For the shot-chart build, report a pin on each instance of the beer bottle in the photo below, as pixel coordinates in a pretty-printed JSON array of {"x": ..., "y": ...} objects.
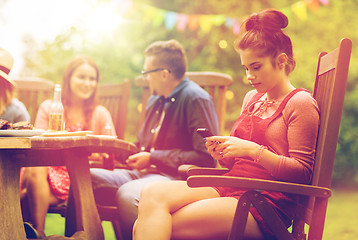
[{"x": 56, "y": 118}]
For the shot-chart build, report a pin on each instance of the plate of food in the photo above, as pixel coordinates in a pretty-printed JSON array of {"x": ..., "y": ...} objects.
[{"x": 19, "y": 129}]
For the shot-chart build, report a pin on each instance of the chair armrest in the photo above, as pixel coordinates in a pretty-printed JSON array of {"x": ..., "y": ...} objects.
[
  {"x": 206, "y": 171},
  {"x": 258, "y": 184},
  {"x": 186, "y": 170},
  {"x": 183, "y": 170}
]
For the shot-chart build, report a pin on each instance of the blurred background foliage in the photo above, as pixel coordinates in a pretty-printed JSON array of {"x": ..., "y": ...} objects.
[{"x": 315, "y": 26}]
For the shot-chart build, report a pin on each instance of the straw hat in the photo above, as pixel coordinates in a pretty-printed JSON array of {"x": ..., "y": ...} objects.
[{"x": 6, "y": 63}]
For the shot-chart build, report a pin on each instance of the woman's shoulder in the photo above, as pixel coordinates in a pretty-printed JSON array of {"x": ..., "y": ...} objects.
[
  {"x": 302, "y": 101},
  {"x": 248, "y": 96},
  {"x": 302, "y": 97},
  {"x": 100, "y": 109}
]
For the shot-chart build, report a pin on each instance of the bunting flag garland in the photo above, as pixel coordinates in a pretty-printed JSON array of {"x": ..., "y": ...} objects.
[{"x": 204, "y": 22}]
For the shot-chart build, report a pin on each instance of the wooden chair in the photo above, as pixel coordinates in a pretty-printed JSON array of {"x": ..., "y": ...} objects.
[
  {"x": 329, "y": 91},
  {"x": 115, "y": 97},
  {"x": 32, "y": 91},
  {"x": 215, "y": 83}
]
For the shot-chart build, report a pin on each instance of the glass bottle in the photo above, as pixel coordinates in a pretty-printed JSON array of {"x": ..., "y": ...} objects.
[
  {"x": 56, "y": 118},
  {"x": 107, "y": 129}
]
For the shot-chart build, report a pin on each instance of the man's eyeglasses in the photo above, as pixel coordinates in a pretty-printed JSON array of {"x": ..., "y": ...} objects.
[{"x": 154, "y": 70}]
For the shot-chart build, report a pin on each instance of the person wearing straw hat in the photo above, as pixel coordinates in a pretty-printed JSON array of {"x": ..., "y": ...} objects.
[{"x": 11, "y": 109}]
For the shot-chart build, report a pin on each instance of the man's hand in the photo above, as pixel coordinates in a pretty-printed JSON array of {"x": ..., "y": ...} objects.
[{"x": 139, "y": 161}]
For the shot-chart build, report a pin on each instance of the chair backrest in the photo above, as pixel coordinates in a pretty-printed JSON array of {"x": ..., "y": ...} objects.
[
  {"x": 32, "y": 91},
  {"x": 115, "y": 97},
  {"x": 215, "y": 83},
  {"x": 329, "y": 91}
]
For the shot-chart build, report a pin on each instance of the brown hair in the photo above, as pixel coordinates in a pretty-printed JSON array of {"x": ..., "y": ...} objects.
[
  {"x": 263, "y": 31},
  {"x": 66, "y": 93},
  {"x": 170, "y": 55}
]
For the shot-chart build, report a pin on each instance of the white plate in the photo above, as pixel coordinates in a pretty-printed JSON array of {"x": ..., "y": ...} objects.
[
  {"x": 66, "y": 134},
  {"x": 21, "y": 133}
]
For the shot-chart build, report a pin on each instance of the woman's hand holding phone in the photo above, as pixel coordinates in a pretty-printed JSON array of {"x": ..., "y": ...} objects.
[{"x": 204, "y": 132}]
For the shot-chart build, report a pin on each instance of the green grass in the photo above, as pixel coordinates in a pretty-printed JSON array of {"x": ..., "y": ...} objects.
[
  {"x": 341, "y": 219},
  {"x": 55, "y": 224}
]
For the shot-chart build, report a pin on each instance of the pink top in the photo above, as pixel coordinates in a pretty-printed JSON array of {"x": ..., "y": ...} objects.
[
  {"x": 292, "y": 135},
  {"x": 101, "y": 116},
  {"x": 58, "y": 177}
]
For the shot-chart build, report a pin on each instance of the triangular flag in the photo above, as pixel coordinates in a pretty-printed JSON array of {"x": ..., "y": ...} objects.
[
  {"x": 313, "y": 5},
  {"x": 229, "y": 22},
  {"x": 300, "y": 9},
  {"x": 236, "y": 26},
  {"x": 182, "y": 22},
  {"x": 193, "y": 22},
  {"x": 158, "y": 18},
  {"x": 205, "y": 23},
  {"x": 218, "y": 20},
  {"x": 170, "y": 20},
  {"x": 324, "y": 2}
]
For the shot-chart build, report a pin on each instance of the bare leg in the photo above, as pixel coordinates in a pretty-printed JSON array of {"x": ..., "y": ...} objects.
[
  {"x": 172, "y": 210},
  {"x": 158, "y": 201},
  {"x": 39, "y": 195},
  {"x": 210, "y": 219}
]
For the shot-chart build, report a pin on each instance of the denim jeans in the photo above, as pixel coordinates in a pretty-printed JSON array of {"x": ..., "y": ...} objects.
[{"x": 122, "y": 187}]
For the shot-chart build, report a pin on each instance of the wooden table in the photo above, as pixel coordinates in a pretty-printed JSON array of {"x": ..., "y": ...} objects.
[{"x": 73, "y": 152}]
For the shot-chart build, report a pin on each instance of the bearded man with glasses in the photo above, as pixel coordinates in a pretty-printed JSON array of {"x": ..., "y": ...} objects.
[{"x": 168, "y": 136}]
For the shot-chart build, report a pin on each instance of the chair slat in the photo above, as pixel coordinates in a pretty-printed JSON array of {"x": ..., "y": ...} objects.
[
  {"x": 32, "y": 91},
  {"x": 115, "y": 97}
]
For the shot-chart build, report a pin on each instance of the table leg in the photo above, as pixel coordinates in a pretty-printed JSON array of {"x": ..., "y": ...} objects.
[
  {"x": 87, "y": 217},
  {"x": 11, "y": 225}
]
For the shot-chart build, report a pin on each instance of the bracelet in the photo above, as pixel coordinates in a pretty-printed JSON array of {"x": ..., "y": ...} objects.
[{"x": 259, "y": 153}]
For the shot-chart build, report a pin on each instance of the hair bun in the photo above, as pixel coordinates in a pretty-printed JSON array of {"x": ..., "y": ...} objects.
[{"x": 268, "y": 20}]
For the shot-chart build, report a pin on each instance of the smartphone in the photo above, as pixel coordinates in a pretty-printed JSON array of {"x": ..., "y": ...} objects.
[{"x": 204, "y": 132}]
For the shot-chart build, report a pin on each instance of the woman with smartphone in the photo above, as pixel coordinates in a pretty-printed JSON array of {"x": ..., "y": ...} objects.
[{"x": 274, "y": 138}]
